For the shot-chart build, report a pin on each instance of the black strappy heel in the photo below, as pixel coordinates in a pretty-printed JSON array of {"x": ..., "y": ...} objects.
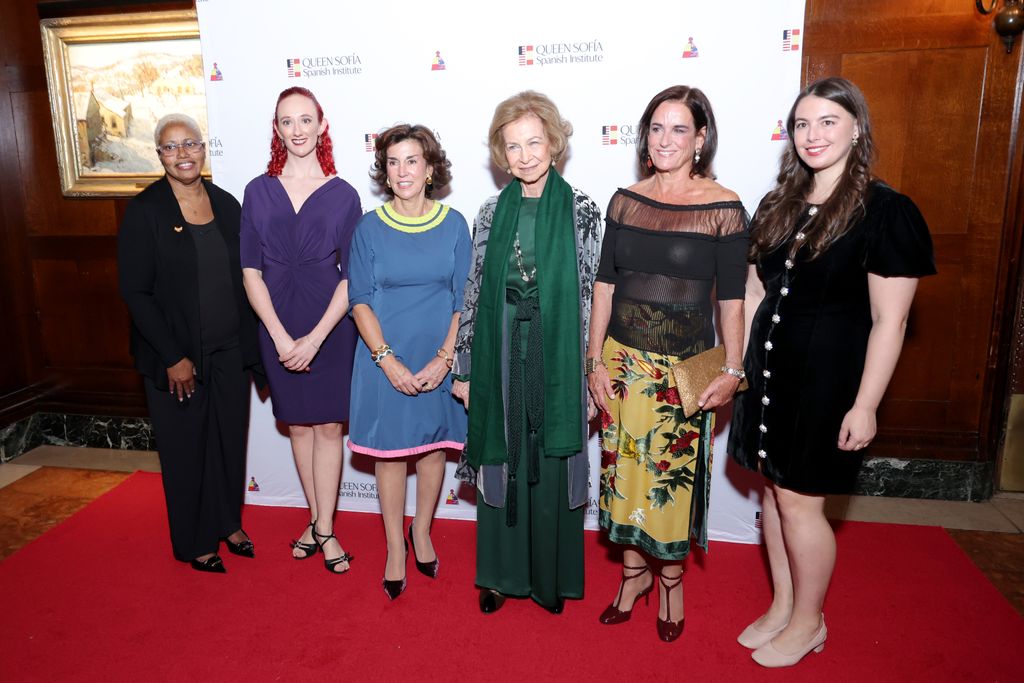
[
  {"x": 308, "y": 549},
  {"x": 330, "y": 564}
]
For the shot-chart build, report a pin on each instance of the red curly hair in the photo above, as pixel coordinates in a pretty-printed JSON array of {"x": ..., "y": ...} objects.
[{"x": 324, "y": 146}]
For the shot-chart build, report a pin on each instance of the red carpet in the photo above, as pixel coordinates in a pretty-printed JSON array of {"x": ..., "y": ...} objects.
[{"x": 99, "y": 598}]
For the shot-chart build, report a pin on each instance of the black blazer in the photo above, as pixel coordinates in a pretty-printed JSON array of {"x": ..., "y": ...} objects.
[{"x": 158, "y": 278}]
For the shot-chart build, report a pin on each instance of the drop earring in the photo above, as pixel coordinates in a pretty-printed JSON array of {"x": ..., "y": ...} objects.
[
  {"x": 696, "y": 156},
  {"x": 856, "y": 139}
]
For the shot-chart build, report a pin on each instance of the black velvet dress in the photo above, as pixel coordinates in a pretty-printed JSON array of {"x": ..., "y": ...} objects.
[{"x": 808, "y": 342}]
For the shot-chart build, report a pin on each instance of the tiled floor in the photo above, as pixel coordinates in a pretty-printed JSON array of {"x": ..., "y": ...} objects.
[{"x": 47, "y": 485}]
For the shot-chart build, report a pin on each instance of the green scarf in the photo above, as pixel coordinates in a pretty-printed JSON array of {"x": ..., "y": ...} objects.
[{"x": 559, "y": 292}]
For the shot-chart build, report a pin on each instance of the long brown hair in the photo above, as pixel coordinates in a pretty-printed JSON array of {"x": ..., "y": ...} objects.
[{"x": 780, "y": 212}]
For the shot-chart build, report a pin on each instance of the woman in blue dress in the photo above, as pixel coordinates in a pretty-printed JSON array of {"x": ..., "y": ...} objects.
[{"x": 409, "y": 263}]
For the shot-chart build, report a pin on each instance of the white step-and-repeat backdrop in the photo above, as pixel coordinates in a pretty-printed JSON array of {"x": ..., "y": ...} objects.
[{"x": 447, "y": 65}]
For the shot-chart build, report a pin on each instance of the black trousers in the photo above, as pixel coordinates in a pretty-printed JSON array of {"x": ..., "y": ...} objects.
[{"x": 201, "y": 444}]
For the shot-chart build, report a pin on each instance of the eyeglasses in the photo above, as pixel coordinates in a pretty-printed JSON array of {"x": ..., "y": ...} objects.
[{"x": 190, "y": 146}]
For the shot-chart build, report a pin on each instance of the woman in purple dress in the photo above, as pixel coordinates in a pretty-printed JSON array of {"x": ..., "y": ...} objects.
[{"x": 297, "y": 223}]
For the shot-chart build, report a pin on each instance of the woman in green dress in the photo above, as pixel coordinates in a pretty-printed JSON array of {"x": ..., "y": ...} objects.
[{"x": 524, "y": 324}]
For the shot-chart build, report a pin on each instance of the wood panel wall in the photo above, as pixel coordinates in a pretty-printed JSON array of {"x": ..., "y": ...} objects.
[
  {"x": 945, "y": 107},
  {"x": 944, "y": 97},
  {"x": 64, "y": 340}
]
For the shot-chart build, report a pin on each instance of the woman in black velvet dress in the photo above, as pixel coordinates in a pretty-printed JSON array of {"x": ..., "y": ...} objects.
[{"x": 836, "y": 257}]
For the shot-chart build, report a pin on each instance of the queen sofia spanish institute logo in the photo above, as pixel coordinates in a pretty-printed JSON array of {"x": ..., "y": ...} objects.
[
  {"x": 253, "y": 486},
  {"x": 553, "y": 54},
  {"x": 438, "y": 63},
  {"x": 215, "y": 73},
  {"x": 319, "y": 66}
]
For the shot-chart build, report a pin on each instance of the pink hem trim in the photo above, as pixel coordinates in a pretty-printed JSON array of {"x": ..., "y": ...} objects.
[{"x": 404, "y": 451}]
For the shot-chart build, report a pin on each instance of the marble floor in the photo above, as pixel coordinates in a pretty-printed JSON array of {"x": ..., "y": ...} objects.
[{"x": 41, "y": 488}]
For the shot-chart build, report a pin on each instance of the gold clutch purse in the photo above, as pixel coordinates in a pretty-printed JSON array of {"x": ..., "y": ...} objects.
[{"x": 694, "y": 374}]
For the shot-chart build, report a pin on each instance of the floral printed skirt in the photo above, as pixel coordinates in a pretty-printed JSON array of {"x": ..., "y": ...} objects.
[{"x": 655, "y": 463}]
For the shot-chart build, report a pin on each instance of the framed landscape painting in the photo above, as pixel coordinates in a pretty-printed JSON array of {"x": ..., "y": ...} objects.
[{"x": 110, "y": 79}]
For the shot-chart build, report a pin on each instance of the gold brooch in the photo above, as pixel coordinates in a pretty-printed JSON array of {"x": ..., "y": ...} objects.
[{"x": 178, "y": 228}]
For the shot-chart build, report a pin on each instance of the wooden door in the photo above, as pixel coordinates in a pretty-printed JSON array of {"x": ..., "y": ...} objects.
[{"x": 941, "y": 90}]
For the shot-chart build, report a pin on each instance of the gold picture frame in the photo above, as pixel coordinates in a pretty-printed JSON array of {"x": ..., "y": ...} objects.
[{"x": 110, "y": 78}]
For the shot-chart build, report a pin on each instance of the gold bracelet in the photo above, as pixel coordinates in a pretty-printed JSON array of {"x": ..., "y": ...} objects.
[
  {"x": 590, "y": 364},
  {"x": 441, "y": 353}
]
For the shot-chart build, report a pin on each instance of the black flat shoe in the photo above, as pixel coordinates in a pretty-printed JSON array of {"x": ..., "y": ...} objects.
[
  {"x": 244, "y": 549},
  {"x": 556, "y": 608},
  {"x": 490, "y": 601},
  {"x": 308, "y": 549},
  {"x": 213, "y": 565},
  {"x": 425, "y": 568}
]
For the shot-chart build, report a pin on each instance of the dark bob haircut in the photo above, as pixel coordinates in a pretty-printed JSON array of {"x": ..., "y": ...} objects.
[{"x": 433, "y": 155}]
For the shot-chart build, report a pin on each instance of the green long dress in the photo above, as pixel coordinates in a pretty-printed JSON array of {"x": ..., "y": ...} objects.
[{"x": 541, "y": 555}]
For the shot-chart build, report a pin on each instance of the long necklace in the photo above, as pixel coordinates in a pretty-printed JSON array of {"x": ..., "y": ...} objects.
[{"x": 519, "y": 262}]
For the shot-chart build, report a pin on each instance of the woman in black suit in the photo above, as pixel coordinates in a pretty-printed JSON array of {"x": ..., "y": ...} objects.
[{"x": 194, "y": 341}]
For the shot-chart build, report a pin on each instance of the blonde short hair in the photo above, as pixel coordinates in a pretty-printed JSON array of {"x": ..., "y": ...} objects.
[{"x": 523, "y": 104}]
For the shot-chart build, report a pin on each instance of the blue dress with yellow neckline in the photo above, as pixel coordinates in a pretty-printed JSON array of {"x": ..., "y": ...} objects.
[{"x": 411, "y": 272}]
